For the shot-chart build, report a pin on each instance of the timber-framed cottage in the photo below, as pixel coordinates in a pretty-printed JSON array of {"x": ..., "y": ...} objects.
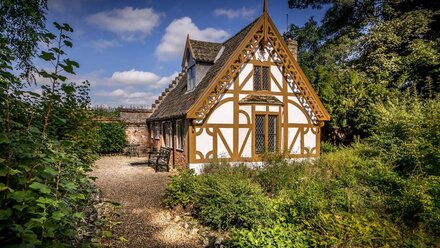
[{"x": 237, "y": 100}]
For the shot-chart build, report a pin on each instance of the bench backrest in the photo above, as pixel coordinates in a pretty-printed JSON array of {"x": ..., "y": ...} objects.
[{"x": 164, "y": 154}]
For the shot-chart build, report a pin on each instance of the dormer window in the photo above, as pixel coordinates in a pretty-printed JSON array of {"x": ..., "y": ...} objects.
[
  {"x": 261, "y": 77},
  {"x": 191, "y": 77}
]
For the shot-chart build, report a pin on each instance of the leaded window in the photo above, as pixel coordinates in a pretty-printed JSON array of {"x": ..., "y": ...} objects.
[
  {"x": 261, "y": 78},
  {"x": 272, "y": 133},
  {"x": 259, "y": 134},
  {"x": 266, "y": 133}
]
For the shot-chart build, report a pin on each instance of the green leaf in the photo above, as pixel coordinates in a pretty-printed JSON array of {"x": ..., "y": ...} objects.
[
  {"x": 5, "y": 213},
  {"x": 78, "y": 215},
  {"x": 107, "y": 234},
  {"x": 47, "y": 56},
  {"x": 57, "y": 215},
  {"x": 58, "y": 120},
  {"x": 41, "y": 187},
  {"x": 34, "y": 130},
  {"x": 3, "y": 171},
  {"x": 50, "y": 171},
  {"x": 20, "y": 195},
  {"x": 69, "y": 185},
  {"x": 4, "y": 139},
  {"x": 3, "y": 187},
  {"x": 69, "y": 89},
  {"x": 68, "y": 43}
]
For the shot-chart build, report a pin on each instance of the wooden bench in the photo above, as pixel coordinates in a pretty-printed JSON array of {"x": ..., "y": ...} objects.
[{"x": 160, "y": 159}]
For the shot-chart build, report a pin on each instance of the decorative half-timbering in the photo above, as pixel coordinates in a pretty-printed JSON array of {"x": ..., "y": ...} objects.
[{"x": 239, "y": 99}]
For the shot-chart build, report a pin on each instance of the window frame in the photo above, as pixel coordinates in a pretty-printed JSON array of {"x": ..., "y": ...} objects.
[
  {"x": 170, "y": 135},
  {"x": 179, "y": 135},
  {"x": 260, "y": 77},
  {"x": 164, "y": 134},
  {"x": 191, "y": 75},
  {"x": 277, "y": 141}
]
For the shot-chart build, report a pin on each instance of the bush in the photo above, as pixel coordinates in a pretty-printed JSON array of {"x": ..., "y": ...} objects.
[
  {"x": 408, "y": 135},
  {"x": 181, "y": 189},
  {"x": 350, "y": 197},
  {"x": 274, "y": 177},
  {"x": 278, "y": 235},
  {"x": 327, "y": 147},
  {"x": 226, "y": 200},
  {"x": 112, "y": 137}
]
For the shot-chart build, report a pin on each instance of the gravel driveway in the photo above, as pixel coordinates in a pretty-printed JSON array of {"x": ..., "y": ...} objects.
[{"x": 140, "y": 191}]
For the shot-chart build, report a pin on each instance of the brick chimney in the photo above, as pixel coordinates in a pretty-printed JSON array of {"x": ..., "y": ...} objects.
[{"x": 292, "y": 45}]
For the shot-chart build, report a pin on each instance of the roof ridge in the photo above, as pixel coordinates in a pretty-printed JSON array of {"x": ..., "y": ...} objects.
[
  {"x": 206, "y": 41},
  {"x": 167, "y": 90}
]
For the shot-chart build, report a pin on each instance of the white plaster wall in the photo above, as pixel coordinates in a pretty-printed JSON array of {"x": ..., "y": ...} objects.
[
  {"x": 260, "y": 108},
  {"x": 310, "y": 140},
  {"x": 221, "y": 147},
  {"x": 273, "y": 108},
  {"x": 203, "y": 142},
  {"x": 278, "y": 76},
  {"x": 246, "y": 69},
  {"x": 296, "y": 149},
  {"x": 242, "y": 118},
  {"x": 247, "y": 151},
  {"x": 296, "y": 115},
  {"x": 224, "y": 114}
]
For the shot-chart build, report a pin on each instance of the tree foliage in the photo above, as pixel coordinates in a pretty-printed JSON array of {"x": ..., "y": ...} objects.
[
  {"x": 47, "y": 139},
  {"x": 112, "y": 137},
  {"x": 367, "y": 52}
]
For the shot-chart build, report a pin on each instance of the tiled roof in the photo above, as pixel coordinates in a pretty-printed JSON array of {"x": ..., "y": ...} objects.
[
  {"x": 178, "y": 101},
  {"x": 204, "y": 51},
  {"x": 260, "y": 99}
]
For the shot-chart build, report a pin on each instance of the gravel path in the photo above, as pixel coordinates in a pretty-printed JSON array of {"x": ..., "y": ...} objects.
[{"x": 140, "y": 191}]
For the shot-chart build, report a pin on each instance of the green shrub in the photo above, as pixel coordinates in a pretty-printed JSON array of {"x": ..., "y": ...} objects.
[
  {"x": 327, "y": 147},
  {"x": 278, "y": 235},
  {"x": 274, "y": 177},
  {"x": 351, "y": 230},
  {"x": 227, "y": 200},
  {"x": 112, "y": 137},
  {"x": 408, "y": 135},
  {"x": 181, "y": 189}
]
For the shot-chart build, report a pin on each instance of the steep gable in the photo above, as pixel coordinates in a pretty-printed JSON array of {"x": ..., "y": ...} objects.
[
  {"x": 263, "y": 31},
  {"x": 179, "y": 101}
]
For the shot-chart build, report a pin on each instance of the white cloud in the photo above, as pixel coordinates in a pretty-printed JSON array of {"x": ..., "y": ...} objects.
[
  {"x": 126, "y": 96},
  {"x": 244, "y": 13},
  {"x": 134, "y": 77},
  {"x": 173, "y": 42},
  {"x": 130, "y": 87},
  {"x": 101, "y": 44},
  {"x": 130, "y": 24}
]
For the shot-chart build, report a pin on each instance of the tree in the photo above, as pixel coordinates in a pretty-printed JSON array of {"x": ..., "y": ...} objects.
[
  {"x": 369, "y": 51},
  {"x": 46, "y": 140}
]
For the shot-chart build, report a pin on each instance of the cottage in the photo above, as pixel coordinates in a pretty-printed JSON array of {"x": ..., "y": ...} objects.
[{"x": 237, "y": 100}]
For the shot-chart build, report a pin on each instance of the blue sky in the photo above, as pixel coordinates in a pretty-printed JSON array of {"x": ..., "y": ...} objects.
[{"x": 131, "y": 50}]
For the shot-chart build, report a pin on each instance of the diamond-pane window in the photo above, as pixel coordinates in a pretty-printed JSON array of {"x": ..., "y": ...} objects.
[
  {"x": 266, "y": 133},
  {"x": 259, "y": 133},
  {"x": 257, "y": 78},
  {"x": 265, "y": 78},
  {"x": 261, "y": 78},
  {"x": 272, "y": 133}
]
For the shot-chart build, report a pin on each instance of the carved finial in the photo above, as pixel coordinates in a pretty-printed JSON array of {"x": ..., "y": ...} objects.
[{"x": 265, "y": 6}]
